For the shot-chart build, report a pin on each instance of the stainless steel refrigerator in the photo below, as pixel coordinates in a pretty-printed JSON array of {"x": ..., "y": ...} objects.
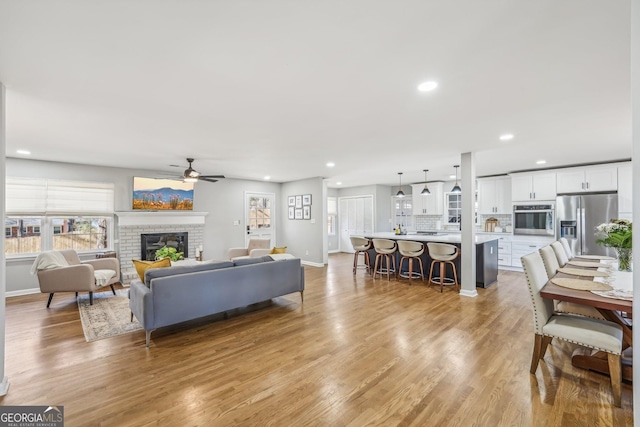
[{"x": 577, "y": 217}]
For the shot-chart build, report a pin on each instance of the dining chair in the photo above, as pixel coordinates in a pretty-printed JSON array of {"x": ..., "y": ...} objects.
[
  {"x": 551, "y": 266},
  {"x": 597, "y": 334},
  {"x": 563, "y": 259},
  {"x": 567, "y": 249}
]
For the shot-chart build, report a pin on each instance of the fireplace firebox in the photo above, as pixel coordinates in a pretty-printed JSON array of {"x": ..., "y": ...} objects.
[{"x": 150, "y": 243}]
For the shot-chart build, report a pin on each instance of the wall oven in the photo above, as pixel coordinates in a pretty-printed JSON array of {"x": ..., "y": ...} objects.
[{"x": 534, "y": 220}]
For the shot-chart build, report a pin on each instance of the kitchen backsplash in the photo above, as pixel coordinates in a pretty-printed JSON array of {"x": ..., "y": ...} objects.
[{"x": 430, "y": 222}]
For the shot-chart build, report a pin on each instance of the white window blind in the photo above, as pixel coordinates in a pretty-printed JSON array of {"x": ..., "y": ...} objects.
[
  {"x": 332, "y": 206},
  {"x": 26, "y": 196},
  {"x": 32, "y": 196}
]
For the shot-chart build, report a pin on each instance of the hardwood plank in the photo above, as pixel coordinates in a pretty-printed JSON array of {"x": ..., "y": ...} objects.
[{"x": 357, "y": 352}]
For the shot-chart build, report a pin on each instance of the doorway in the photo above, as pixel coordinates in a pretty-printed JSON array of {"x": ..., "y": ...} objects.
[
  {"x": 355, "y": 218},
  {"x": 260, "y": 216}
]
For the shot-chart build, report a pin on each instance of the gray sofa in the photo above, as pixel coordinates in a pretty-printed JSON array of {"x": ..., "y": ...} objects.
[{"x": 176, "y": 294}]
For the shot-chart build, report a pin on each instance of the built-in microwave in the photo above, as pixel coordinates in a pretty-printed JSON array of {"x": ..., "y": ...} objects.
[{"x": 536, "y": 220}]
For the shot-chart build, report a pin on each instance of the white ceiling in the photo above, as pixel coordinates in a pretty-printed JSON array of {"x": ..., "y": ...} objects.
[{"x": 279, "y": 88}]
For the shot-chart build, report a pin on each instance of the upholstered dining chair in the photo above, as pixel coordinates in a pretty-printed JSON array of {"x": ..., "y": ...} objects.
[
  {"x": 62, "y": 271},
  {"x": 563, "y": 259},
  {"x": 597, "y": 334},
  {"x": 567, "y": 249},
  {"x": 551, "y": 266}
]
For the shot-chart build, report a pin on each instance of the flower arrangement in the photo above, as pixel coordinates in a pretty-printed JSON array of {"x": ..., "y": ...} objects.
[
  {"x": 615, "y": 234},
  {"x": 168, "y": 252}
]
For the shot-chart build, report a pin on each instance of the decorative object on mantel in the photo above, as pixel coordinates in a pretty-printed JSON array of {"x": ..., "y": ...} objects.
[{"x": 617, "y": 234}]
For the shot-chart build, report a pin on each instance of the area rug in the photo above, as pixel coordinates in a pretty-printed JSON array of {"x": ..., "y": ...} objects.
[{"x": 107, "y": 317}]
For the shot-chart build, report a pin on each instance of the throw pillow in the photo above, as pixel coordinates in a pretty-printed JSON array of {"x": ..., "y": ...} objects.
[
  {"x": 276, "y": 250},
  {"x": 142, "y": 266}
]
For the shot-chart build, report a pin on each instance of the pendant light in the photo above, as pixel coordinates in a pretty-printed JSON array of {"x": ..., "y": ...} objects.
[
  {"x": 456, "y": 188},
  {"x": 400, "y": 193},
  {"x": 425, "y": 190}
]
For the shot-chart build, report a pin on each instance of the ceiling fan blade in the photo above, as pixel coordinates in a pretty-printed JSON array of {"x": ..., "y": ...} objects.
[
  {"x": 201, "y": 178},
  {"x": 211, "y": 176}
]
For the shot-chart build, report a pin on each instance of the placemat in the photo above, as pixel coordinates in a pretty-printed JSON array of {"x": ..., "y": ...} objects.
[
  {"x": 582, "y": 285},
  {"x": 616, "y": 294},
  {"x": 587, "y": 264},
  {"x": 603, "y": 257},
  {"x": 585, "y": 273}
]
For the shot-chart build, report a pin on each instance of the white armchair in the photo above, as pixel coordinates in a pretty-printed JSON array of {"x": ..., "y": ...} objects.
[{"x": 255, "y": 248}]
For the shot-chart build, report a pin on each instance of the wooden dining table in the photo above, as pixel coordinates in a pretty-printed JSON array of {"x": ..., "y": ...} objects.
[{"x": 615, "y": 310}]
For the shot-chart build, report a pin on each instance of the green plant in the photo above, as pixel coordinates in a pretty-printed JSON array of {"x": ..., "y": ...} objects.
[
  {"x": 167, "y": 252},
  {"x": 615, "y": 234}
]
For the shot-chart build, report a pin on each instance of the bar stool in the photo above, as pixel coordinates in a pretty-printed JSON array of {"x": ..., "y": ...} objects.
[
  {"x": 385, "y": 250},
  {"x": 410, "y": 251},
  {"x": 443, "y": 254},
  {"x": 361, "y": 245}
]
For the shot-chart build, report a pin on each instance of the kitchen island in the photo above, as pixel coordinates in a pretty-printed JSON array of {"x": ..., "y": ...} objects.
[{"x": 486, "y": 254}]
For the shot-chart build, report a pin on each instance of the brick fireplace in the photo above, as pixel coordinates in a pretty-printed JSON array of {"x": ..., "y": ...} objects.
[{"x": 132, "y": 225}]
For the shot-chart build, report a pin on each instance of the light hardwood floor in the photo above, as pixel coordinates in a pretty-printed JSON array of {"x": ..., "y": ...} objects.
[{"x": 357, "y": 352}]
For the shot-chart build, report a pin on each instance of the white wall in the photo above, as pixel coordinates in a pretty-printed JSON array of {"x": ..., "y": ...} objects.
[
  {"x": 304, "y": 238},
  {"x": 4, "y": 384}
]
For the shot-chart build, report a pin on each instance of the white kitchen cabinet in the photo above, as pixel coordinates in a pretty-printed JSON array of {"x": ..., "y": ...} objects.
[
  {"x": 430, "y": 204},
  {"x": 504, "y": 248},
  {"x": 533, "y": 186},
  {"x": 625, "y": 198},
  {"x": 588, "y": 178},
  {"x": 524, "y": 245},
  {"x": 494, "y": 195}
]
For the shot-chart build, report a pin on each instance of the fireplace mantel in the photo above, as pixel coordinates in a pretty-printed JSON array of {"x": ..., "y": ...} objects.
[{"x": 131, "y": 219}]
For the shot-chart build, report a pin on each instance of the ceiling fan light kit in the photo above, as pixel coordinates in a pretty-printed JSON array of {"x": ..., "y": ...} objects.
[{"x": 192, "y": 175}]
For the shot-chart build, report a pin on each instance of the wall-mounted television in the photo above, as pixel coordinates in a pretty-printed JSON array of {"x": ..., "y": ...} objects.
[{"x": 162, "y": 194}]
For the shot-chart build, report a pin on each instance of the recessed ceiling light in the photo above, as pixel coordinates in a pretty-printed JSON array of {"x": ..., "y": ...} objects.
[
  {"x": 506, "y": 137},
  {"x": 541, "y": 162},
  {"x": 330, "y": 164},
  {"x": 452, "y": 177},
  {"x": 427, "y": 86},
  {"x": 338, "y": 183},
  {"x": 267, "y": 178},
  {"x": 26, "y": 152}
]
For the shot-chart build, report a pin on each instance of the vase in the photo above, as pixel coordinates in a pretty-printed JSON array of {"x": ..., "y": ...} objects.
[{"x": 624, "y": 259}]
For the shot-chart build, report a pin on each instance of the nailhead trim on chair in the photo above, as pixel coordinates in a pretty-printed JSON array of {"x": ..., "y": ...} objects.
[{"x": 582, "y": 344}]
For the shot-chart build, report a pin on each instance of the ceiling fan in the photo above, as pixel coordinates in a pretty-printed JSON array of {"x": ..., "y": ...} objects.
[{"x": 192, "y": 175}]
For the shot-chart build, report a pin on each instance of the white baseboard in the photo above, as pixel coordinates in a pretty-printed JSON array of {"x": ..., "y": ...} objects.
[
  {"x": 508, "y": 268},
  {"x": 21, "y": 292},
  {"x": 334, "y": 251},
  {"x": 312, "y": 264},
  {"x": 4, "y": 386},
  {"x": 466, "y": 293}
]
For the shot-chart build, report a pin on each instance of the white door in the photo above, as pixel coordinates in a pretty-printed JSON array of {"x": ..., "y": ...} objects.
[
  {"x": 355, "y": 218},
  {"x": 260, "y": 216}
]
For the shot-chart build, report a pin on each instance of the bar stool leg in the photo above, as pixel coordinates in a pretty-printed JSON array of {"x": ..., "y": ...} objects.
[
  {"x": 410, "y": 269},
  {"x": 431, "y": 274},
  {"x": 455, "y": 276},
  {"x": 443, "y": 266},
  {"x": 421, "y": 269}
]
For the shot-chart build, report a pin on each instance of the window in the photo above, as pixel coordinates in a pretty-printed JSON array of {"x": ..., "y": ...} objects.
[
  {"x": 53, "y": 214},
  {"x": 259, "y": 212},
  {"x": 332, "y": 212},
  {"x": 20, "y": 237}
]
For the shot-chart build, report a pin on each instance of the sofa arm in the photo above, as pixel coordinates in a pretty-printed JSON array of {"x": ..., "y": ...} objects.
[
  {"x": 74, "y": 278},
  {"x": 236, "y": 252},
  {"x": 141, "y": 303},
  {"x": 257, "y": 253}
]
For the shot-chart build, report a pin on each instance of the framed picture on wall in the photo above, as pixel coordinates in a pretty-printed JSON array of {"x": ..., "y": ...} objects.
[
  {"x": 306, "y": 199},
  {"x": 306, "y": 212},
  {"x": 292, "y": 212},
  {"x": 292, "y": 201},
  {"x": 298, "y": 202},
  {"x": 298, "y": 214}
]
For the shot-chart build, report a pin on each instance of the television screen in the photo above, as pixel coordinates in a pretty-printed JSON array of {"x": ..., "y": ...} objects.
[{"x": 162, "y": 194}]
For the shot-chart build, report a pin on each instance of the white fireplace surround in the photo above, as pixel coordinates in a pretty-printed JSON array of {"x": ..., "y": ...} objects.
[{"x": 130, "y": 225}]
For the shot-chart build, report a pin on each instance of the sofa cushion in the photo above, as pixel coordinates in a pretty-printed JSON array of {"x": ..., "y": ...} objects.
[
  {"x": 278, "y": 250},
  {"x": 183, "y": 269},
  {"x": 142, "y": 266},
  {"x": 248, "y": 261}
]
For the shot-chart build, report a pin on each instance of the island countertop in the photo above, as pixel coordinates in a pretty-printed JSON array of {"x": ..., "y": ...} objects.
[{"x": 440, "y": 238}]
